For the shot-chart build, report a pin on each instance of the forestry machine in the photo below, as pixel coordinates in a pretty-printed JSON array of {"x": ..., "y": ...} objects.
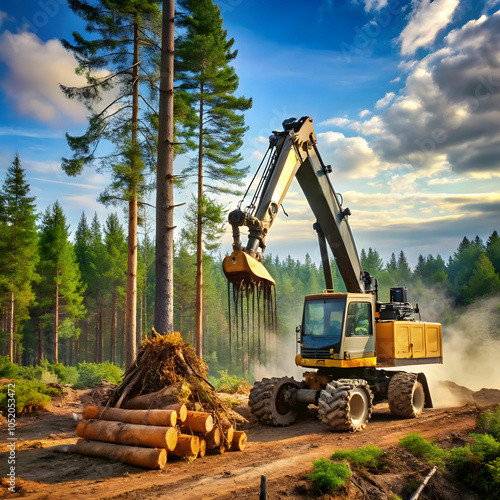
[{"x": 352, "y": 345}]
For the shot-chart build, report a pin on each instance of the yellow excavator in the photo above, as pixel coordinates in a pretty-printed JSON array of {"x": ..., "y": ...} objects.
[{"x": 352, "y": 344}]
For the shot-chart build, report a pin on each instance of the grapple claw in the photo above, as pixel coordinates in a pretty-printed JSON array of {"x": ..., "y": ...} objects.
[{"x": 240, "y": 266}]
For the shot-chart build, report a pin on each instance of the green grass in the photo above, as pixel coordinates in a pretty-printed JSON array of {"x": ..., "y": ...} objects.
[
  {"x": 362, "y": 457},
  {"x": 83, "y": 376},
  {"x": 229, "y": 384},
  {"x": 428, "y": 452},
  {"x": 327, "y": 476}
]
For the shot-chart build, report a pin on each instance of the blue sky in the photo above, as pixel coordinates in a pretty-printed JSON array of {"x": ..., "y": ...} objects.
[{"x": 405, "y": 98}]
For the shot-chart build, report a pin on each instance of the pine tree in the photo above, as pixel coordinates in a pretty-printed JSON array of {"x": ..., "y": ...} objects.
[
  {"x": 493, "y": 250},
  {"x": 61, "y": 282},
  {"x": 461, "y": 265},
  {"x": 483, "y": 280},
  {"x": 371, "y": 262},
  {"x": 82, "y": 254},
  {"x": 18, "y": 249},
  {"x": 404, "y": 271},
  {"x": 122, "y": 43},
  {"x": 116, "y": 247},
  {"x": 215, "y": 126},
  {"x": 100, "y": 282}
]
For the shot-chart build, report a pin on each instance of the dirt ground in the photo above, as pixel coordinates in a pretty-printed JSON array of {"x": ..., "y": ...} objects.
[{"x": 283, "y": 455}]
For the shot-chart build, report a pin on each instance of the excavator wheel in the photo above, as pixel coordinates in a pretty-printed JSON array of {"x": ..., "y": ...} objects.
[
  {"x": 270, "y": 401},
  {"x": 406, "y": 395},
  {"x": 345, "y": 405}
]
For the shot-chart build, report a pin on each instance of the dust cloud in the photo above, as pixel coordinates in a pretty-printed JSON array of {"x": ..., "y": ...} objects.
[
  {"x": 471, "y": 352},
  {"x": 281, "y": 359}
]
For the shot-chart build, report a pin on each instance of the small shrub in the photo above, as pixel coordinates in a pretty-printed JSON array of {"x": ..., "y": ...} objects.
[
  {"x": 90, "y": 374},
  {"x": 230, "y": 384},
  {"x": 65, "y": 374},
  {"x": 327, "y": 476},
  {"x": 485, "y": 447},
  {"x": 8, "y": 369},
  {"x": 30, "y": 396},
  {"x": 32, "y": 372},
  {"x": 362, "y": 457},
  {"x": 428, "y": 452},
  {"x": 489, "y": 422}
]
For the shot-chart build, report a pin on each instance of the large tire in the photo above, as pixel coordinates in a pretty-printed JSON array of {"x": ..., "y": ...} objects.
[
  {"x": 345, "y": 405},
  {"x": 270, "y": 401},
  {"x": 406, "y": 395}
]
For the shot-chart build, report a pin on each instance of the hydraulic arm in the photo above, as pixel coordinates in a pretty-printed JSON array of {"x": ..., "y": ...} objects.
[{"x": 293, "y": 153}]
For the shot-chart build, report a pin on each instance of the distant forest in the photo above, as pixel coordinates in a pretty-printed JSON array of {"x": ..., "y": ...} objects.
[{"x": 48, "y": 282}]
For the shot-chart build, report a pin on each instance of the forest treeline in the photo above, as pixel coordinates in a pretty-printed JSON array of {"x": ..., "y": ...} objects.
[{"x": 65, "y": 296}]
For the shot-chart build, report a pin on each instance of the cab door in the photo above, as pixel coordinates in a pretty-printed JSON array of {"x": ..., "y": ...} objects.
[{"x": 359, "y": 338}]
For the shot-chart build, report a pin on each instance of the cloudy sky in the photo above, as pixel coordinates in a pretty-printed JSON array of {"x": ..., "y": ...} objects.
[{"x": 405, "y": 97}]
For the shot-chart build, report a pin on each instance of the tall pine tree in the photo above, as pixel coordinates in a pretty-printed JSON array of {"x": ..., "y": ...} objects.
[
  {"x": 62, "y": 286},
  {"x": 215, "y": 127},
  {"x": 18, "y": 249},
  {"x": 123, "y": 43},
  {"x": 116, "y": 246}
]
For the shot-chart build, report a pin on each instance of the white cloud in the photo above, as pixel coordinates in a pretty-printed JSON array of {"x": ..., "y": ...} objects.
[
  {"x": 427, "y": 20},
  {"x": 374, "y": 5},
  {"x": 352, "y": 157},
  {"x": 337, "y": 121},
  {"x": 364, "y": 113},
  {"x": 35, "y": 69},
  {"x": 382, "y": 103},
  {"x": 447, "y": 116}
]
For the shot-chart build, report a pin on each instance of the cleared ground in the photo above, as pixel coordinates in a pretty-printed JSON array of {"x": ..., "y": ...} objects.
[{"x": 284, "y": 455}]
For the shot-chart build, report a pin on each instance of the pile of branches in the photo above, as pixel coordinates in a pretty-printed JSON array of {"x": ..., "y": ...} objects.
[{"x": 167, "y": 361}]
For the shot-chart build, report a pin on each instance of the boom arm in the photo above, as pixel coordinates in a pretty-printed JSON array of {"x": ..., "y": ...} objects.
[{"x": 295, "y": 154}]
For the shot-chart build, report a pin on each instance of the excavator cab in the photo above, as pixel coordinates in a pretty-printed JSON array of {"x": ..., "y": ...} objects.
[{"x": 337, "y": 331}]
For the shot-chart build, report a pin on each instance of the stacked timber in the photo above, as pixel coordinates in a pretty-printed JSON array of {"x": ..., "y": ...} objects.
[
  {"x": 146, "y": 438},
  {"x": 165, "y": 406}
]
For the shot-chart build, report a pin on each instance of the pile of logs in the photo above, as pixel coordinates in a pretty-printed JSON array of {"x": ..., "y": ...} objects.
[{"x": 146, "y": 437}]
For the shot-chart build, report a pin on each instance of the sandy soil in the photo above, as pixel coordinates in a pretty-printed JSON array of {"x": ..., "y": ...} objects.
[{"x": 283, "y": 455}]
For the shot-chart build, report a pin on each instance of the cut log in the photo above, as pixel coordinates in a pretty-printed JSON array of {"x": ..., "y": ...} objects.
[
  {"x": 167, "y": 418},
  {"x": 148, "y": 458},
  {"x": 153, "y": 436},
  {"x": 213, "y": 438},
  {"x": 197, "y": 421},
  {"x": 187, "y": 446},
  {"x": 228, "y": 431},
  {"x": 180, "y": 409},
  {"x": 203, "y": 448},
  {"x": 159, "y": 399},
  {"x": 239, "y": 441},
  {"x": 93, "y": 411}
]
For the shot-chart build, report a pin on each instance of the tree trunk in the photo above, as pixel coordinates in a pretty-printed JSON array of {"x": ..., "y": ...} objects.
[
  {"x": 112, "y": 353},
  {"x": 131, "y": 306},
  {"x": 101, "y": 334},
  {"x": 96, "y": 347},
  {"x": 164, "y": 287},
  {"x": 11, "y": 328},
  {"x": 41, "y": 352},
  {"x": 199, "y": 241}
]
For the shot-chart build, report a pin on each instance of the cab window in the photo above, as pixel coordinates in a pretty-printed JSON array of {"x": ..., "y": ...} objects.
[{"x": 359, "y": 319}]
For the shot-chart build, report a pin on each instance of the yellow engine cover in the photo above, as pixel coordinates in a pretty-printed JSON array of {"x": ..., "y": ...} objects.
[{"x": 408, "y": 342}]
